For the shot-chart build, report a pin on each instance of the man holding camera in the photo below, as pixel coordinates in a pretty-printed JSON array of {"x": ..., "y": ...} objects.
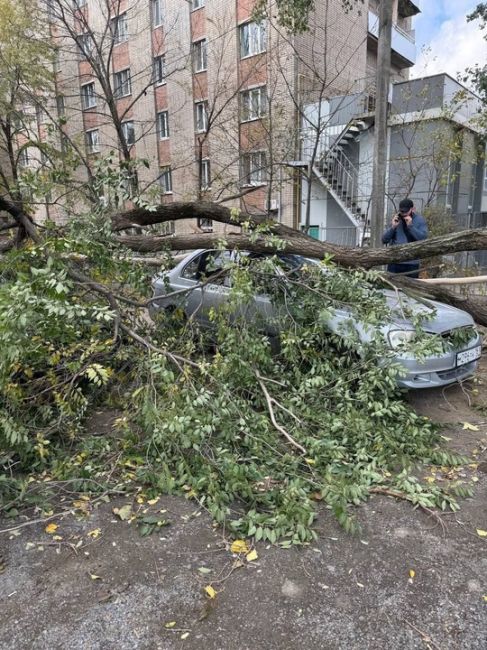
[{"x": 407, "y": 226}]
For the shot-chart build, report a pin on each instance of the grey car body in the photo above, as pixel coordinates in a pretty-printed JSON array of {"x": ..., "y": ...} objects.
[{"x": 454, "y": 365}]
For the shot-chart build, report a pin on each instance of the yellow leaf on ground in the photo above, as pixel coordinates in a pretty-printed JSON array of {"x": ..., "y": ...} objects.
[
  {"x": 469, "y": 427},
  {"x": 252, "y": 556},
  {"x": 94, "y": 533},
  {"x": 57, "y": 538},
  {"x": 170, "y": 624},
  {"x": 412, "y": 573},
  {"x": 481, "y": 533},
  {"x": 152, "y": 502},
  {"x": 80, "y": 505},
  {"x": 93, "y": 576},
  {"x": 210, "y": 591},
  {"x": 239, "y": 546},
  {"x": 430, "y": 479},
  {"x": 310, "y": 461},
  {"x": 184, "y": 636},
  {"x": 51, "y": 528},
  {"x": 124, "y": 512}
]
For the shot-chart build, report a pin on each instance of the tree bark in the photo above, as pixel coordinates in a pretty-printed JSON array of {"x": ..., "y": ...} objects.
[
  {"x": 379, "y": 163},
  {"x": 294, "y": 241},
  {"x": 291, "y": 241}
]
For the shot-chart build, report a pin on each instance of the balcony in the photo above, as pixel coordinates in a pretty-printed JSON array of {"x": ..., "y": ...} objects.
[{"x": 403, "y": 43}]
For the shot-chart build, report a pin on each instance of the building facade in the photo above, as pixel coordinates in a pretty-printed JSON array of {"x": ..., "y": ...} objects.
[
  {"x": 210, "y": 100},
  {"x": 436, "y": 156}
]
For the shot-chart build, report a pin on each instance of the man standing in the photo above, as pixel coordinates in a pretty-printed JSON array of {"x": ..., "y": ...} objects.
[{"x": 407, "y": 226}]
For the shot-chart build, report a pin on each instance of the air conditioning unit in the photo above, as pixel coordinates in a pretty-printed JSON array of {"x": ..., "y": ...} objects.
[{"x": 272, "y": 205}]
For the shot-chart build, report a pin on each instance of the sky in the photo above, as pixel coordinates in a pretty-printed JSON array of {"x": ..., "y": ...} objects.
[{"x": 445, "y": 41}]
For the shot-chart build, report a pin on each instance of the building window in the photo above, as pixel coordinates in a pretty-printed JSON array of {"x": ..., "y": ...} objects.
[
  {"x": 56, "y": 62},
  {"x": 200, "y": 56},
  {"x": 122, "y": 85},
  {"x": 157, "y": 13},
  {"x": 201, "y": 117},
  {"x": 206, "y": 225},
  {"x": 85, "y": 45},
  {"x": 23, "y": 159},
  {"x": 252, "y": 39},
  {"x": 163, "y": 125},
  {"x": 61, "y": 109},
  {"x": 253, "y": 168},
  {"x": 253, "y": 103},
  {"x": 41, "y": 115},
  {"x": 165, "y": 180},
  {"x": 197, "y": 4},
  {"x": 79, "y": 3},
  {"x": 159, "y": 70},
  {"x": 88, "y": 96},
  {"x": 128, "y": 130},
  {"x": 93, "y": 141},
  {"x": 205, "y": 175},
  {"x": 120, "y": 28}
]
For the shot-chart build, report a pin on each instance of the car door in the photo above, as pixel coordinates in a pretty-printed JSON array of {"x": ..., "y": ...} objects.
[{"x": 207, "y": 273}]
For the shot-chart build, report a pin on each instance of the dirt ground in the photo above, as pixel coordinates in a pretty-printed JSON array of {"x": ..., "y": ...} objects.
[{"x": 409, "y": 581}]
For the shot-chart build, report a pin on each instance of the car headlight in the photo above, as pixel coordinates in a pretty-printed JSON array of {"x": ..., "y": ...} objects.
[{"x": 398, "y": 338}]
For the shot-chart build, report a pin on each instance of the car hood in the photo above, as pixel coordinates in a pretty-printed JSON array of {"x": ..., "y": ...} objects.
[{"x": 445, "y": 317}]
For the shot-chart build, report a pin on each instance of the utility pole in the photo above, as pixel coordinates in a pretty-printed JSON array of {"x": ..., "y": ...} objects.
[{"x": 381, "y": 102}]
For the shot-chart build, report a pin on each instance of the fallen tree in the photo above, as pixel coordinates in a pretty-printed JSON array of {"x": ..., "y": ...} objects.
[
  {"x": 258, "y": 438},
  {"x": 258, "y": 233},
  {"x": 293, "y": 240}
]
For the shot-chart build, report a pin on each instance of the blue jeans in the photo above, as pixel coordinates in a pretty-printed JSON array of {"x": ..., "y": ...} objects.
[{"x": 412, "y": 270}]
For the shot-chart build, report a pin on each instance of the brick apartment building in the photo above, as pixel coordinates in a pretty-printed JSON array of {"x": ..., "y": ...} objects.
[{"x": 211, "y": 100}]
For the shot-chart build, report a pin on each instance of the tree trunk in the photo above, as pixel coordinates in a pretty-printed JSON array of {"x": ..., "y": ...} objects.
[{"x": 290, "y": 241}]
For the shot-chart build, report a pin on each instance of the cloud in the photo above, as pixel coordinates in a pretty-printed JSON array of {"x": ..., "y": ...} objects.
[
  {"x": 453, "y": 49},
  {"x": 451, "y": 43}
]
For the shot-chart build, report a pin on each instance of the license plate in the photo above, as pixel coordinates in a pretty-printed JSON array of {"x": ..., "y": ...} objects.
[{"x": 469, "y": 355}]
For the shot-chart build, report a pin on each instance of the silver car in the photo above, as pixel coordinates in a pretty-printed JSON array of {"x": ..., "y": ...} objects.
[{"x": 199, "y": 284}]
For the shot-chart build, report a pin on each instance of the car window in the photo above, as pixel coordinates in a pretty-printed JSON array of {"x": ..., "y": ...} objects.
[
  {"x": 192, "y": 270},
  {"x": 206, "y": 265}
]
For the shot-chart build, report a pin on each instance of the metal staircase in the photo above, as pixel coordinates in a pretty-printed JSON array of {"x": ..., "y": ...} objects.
[{"x": 340, "y": 176}]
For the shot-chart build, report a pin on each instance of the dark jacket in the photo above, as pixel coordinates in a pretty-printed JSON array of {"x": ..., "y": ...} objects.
[{"x": 417, "y": 231}]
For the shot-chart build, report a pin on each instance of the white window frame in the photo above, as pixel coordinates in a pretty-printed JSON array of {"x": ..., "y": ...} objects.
[
  {"x": 197, "y": 4},
  {"x": 85, "y": 45},
  {"x": 205, "y": 174},
  {"x": 253, "y": 168},
  {"x": 201, "y": 117},
  {"x": 485, "y": 178},
  {"x": 253, "y": 39},
  {"x": 127, "y": 128},
  {"x": 92, "y": 144},
  {"x": 165, "y": 179},
  {"x": 157, "y": 13},
  {"x": 23, "y": 157},
  {"x": 120, "y": 28},
  {"x": 253, "y": 103},
  {"x": 163, "y": 121},
  {"x": 61, "y": 105},
  {"x": 200, "y": 55},
  {"x": 125, "y": 84},
  {"x": 159, "y": 70},
  {"x": 88, "y": 100}
]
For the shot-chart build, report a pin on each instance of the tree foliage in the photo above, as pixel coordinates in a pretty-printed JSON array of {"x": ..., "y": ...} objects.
[{"x": 258, "y": 435}]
